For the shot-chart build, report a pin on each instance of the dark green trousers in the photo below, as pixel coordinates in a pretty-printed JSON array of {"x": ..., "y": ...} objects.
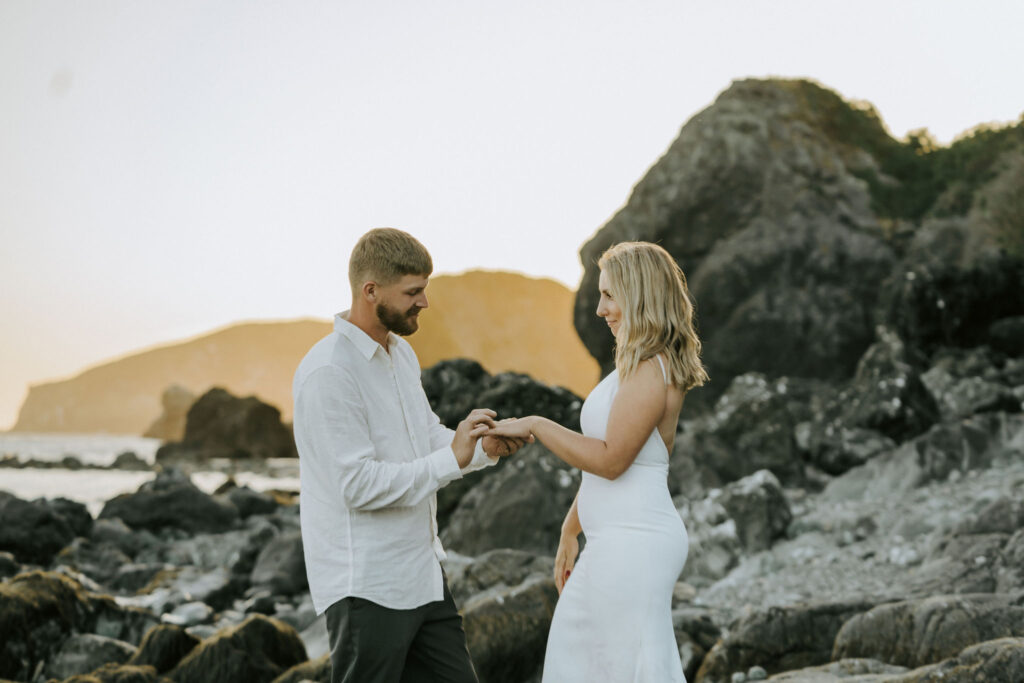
[{"x": 375, "y": 644}]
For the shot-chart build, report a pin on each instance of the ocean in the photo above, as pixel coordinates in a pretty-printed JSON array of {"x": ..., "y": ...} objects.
[{"x": 94, "y": 487}]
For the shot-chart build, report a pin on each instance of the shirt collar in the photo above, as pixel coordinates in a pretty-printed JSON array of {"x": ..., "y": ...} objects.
[{"x": 363, "y": 342}]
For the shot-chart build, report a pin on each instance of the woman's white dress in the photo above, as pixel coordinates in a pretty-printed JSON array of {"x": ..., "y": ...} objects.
[{"x": 613, "y": 621}]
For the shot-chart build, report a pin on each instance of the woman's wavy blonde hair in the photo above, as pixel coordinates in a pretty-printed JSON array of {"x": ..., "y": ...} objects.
[{"x": 657, "y": 312}]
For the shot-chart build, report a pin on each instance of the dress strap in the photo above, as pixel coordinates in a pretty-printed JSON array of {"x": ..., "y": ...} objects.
[{"x": 664, "y": 375}]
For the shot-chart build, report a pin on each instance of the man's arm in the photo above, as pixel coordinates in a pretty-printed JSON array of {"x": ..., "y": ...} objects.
[{"x": 337, "y": 431}]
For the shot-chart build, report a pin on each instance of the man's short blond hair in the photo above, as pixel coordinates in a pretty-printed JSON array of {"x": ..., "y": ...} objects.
[{"x": 384, "y": 255}]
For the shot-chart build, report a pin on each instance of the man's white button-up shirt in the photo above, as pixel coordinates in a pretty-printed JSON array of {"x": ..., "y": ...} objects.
[{"x": 372, "y": 454}]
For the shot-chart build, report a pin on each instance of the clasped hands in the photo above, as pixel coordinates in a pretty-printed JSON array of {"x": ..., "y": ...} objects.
[{"x": 500, "y": 437}]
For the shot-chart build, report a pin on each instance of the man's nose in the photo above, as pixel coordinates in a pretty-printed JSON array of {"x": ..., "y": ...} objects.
[{"x": 423, "y": 303}]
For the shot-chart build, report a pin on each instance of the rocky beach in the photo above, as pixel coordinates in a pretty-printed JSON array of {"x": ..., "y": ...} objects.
[{"x": 852, "y": 479}]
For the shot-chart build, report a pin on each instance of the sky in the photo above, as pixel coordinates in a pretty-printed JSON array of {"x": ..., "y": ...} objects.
[{"x": 168, "y": 168}]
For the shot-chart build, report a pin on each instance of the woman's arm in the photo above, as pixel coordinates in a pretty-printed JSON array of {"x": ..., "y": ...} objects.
[
  {"x": 638, "y": 407},
  {"x": 568, "y": 546}
]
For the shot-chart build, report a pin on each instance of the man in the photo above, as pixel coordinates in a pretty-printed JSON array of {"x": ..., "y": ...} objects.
[{"x": 372, "y": 454}]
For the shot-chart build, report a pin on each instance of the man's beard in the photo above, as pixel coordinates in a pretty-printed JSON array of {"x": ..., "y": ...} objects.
[{"x": 398, "y": 322}]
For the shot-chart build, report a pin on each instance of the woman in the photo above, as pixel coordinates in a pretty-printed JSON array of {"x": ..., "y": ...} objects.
[{"x": 613, "y": 621}]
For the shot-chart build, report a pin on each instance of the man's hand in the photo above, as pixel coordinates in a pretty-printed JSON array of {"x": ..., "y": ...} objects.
[
  {"x": 469, "y": 430},
  {"x": 501, "y": 446}
]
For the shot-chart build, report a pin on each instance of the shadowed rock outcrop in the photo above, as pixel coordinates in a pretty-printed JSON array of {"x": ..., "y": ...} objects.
[
  {"x": 256, "y": 651},
  {"x": 171, "y": 500}
]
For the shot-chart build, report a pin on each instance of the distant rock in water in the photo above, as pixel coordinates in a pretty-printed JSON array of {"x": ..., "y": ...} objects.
[
  {"x": 801, "y": 224},
  {"x": 170, "y": 426},
  {"x": 220, "y": 425},
  {"x": 123, "y": 396},
  {"x": 171, "y": 500}
]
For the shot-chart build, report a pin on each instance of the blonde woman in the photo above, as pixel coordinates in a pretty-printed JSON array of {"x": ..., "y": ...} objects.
[{"x": 613, "y": 621}]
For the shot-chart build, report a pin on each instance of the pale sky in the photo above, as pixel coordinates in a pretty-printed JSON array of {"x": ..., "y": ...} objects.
[{"x": 167, "y": 168}]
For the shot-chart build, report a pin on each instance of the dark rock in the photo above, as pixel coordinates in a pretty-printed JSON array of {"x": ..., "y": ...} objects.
[
  {"x": 521, "y": 506},
  {"x": 918, "y": 632},
  {"x": 133, "y": 577},
  {"x": 759, "y": 201},
  {"x": 689, "y": 474},
  {"x": 317, "y": 670},
  {"x": 779, "y": 639},
  {"x": 1010, "y": 570},
  {"x": 84, "y": 652},
  {"x": 115, "y": 531},
  {"x": 171, "y": 500},
  {"x": 507, "y": 628},
  {"x": 32, "y": 531},
  {"x": 752, "y": 428},
  {"x": 70, "y": 462},
  {"x": 39, "y": 610},
  {"x": 256, "y": 651},
  {"x": 960, "y": 397},
  {"x": 281, "y": 566},
  {"x": 502, "y": 567},
  {"x": 170, "y": 426},
  {"x": 1007, "y": 335},
  {"x": 163, "y": 647},
  {"x": 759, "y": 508},
  {"x": 118, "y": 673},
  {"x": 696, "y": 634},
  {"x": 8, "y": 565},
  {"x": 251, "y": 502},
  {"x": 75, "y": 514},
  {"x": 130, "y": 462},
  {"x": 101, "y": 562},
  {"x": 220, "y": 425}
]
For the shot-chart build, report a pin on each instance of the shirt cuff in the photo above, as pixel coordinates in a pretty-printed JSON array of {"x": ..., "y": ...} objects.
[
  {"x": 480, "y": 458},
  {"x": 444, "y": 465}
]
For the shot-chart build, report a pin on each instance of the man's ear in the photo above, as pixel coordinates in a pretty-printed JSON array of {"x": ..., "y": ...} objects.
[{"x": 370, "y": 290}]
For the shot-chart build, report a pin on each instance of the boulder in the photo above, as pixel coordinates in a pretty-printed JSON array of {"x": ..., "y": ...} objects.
[
  {"x": 1010, "y": 568},
  {"x": 1001, "y": 659},
  {"x": 74, "y": 513},
  {"x": 170, "y": 426},
  {"x": 115, "y": 532},
  {"x": 163, "y": 647},
  {"x": 256, "y": 651},
  {"x": 250, "y": 502},
  {"x": 118, "y": 673},
  {"x": 502, "y": 567},
  {"x": 752, "y": 428},
  {"x": 1007, "y": 335},
  {"x": 9, "y": 566},
  {"x": 960, "y": 392},
  {"x": 507, "y": 629},
  {"x": 521, "y": 505},
  {"x": 84, "y": 652},
  {"x": 779, "y": 639},
  {"x": 759, "y": 508},
  {"x": 843, "y": 671},
  {"x": 171, "y": 500},
  {"x": 696, "y": 633},
  {"x": 130, "y": 462},
  {"x": 32, "y": 531},
  {"x": 913, "y": 633},
  {"x": 220, "y": 425},
  {"x": 101, "y": 562},
  {"x": 281, "y": 566},
  {"x": 39, "y": 610}
]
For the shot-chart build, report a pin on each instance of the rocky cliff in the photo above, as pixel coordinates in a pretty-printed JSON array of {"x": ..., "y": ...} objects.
[
  {"x": 801, "y": 224},
  {"x": 504, "y": 320}
]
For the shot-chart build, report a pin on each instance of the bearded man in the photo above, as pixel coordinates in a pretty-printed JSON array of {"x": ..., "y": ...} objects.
[{"x": 372, "y": 455}]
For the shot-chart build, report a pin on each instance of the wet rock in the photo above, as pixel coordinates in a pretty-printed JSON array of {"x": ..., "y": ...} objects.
[
  {"x": 31, "y": 531},
  {"x": 256, "y": 651},
  {"x": 220, "y": 425},
  {"x": 251, "y": 502},
  {"x": 759, "y": 508},
  {"x": 281, "y": 566},
  {"x": 501, "y": 567},
  {"x": 521, "y": 505},
  {"x": 171, "y": 500},
  {"x": 317, "y": 670},
  {"x": 506, "y": 629},
  {"x": 170, "y": 426},
  {"x": 163, "y": 647},
  {"x": 918, "y": 632},
  {"x": 779, "y": 639},
  {"x": 84, "y": 652}
]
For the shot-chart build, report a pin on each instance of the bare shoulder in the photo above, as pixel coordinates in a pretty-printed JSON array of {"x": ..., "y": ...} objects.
[{"x": 646, "y": 377}]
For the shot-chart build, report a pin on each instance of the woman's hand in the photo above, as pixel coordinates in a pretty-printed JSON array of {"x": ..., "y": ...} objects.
[
  {"x": 565, "y": 559},
  {"x": 519, "y": 428}
]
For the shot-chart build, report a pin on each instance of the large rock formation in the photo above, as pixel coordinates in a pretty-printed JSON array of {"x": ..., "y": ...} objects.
[
  {"x": 801, "y": 224},
  {"x": 123, "y": 396}
]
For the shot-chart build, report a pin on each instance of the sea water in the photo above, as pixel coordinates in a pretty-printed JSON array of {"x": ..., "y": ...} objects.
[{"x": 94, "y": 487}]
